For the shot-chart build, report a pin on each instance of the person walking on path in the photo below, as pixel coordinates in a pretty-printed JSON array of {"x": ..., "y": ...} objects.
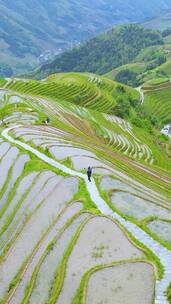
[{"x": 89, "y": 173}]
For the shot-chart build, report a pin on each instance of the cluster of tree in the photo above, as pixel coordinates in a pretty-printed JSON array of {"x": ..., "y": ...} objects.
[
  {"x": 143, "y": 119},
  {"x": 130, "y": 108},
  {"x": 152, "y": 57},
  {"x": 105, "y": 52},
  {"x": 125, "y": 103},
  {"x": 155, "y": 63},
  {"x": 166, "y": 32},
  {"x": 128, "y": 77}
]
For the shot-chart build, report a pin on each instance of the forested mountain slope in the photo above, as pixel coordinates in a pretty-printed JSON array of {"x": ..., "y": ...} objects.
[
  {"x": 153, "y": 65},
  {"x": 99, "y": 55},
  {"x": 29, "y": 28}
]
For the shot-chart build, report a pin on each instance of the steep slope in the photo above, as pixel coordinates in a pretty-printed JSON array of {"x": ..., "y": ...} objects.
[
  {"x": 69, "y": 91},
  {"x": 111, "y": 49},
  {"x": 84, "y": 89},
  {"x": 29, "y": 28},
  {"x": 157, "y": 101},
  {"x": 58, "y": 230},
  {"x": 152, "y": 63},
  {"x": 128, "y": 74},
  {"x": 165, "y": 68}
]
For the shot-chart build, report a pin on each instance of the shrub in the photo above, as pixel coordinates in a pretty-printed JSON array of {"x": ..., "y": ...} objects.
[
  {"x": 137, "y": 122},
  {"x": 127, "y": 77},
  {"x": 163, "y": 138},
  {"x": 122, "y": 108},
  {"x": 166, "y": 32}
]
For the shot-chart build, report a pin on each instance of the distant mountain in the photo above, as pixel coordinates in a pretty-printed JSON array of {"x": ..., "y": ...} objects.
[
  {"x": 162, "y": 22},
  {"x": 99, "y": 55},
  {"x": 30, "y": 28}
]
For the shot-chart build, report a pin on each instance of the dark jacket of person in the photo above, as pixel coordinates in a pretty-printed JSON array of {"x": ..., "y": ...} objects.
[{"x": 89, "y": 171}]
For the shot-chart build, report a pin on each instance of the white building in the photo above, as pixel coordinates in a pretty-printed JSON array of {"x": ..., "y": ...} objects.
[{"x": 166, "y": 130}]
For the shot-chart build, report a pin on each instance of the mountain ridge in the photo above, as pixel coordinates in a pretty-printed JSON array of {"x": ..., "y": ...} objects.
[
  {"x": 113, "y": 48},
  {"x": 30, "y": 28}
]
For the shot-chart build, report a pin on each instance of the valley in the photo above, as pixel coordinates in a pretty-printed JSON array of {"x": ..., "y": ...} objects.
[{"x": 33, "y": 32}]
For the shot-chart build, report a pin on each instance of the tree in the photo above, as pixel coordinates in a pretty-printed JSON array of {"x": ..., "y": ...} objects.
[
  {"x": 122, "y": 108},
  {"x": 104, "y": 52},
  {"x": 127, "y": 77},
  {"x": 161, "y": 59},
  {"x": 120, "y": 89},
  {"x": 166, "y": 32}
]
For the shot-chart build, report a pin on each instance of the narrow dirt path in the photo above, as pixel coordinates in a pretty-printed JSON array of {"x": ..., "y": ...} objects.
[
  {"x": 161, "y": 252},
  {"x": 142, "y": 97}
]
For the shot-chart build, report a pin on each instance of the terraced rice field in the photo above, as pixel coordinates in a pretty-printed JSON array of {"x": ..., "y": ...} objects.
[
  {"x": 33, "y": 229},
  {"x": 158, "y": 102},
  {"x": 105, "y": 243},
  {"x": 162, "y": 229},
  {"x": 132, "y": 201},
  {"x": 63, "y": 239},
  {"x": 53, "y": 140},
  {"x": 128, "y": 283},
  {"x": 87, "y": 90},
  {"x": 116, "y": 133},
  {"x": 137, "y": 207},
  {"x": 43, "y": 228}
]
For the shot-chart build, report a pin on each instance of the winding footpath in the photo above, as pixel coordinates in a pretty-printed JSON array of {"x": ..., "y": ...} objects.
[
  {"x": 161, "y": 252},
  {"x": 142, "y": 97}
]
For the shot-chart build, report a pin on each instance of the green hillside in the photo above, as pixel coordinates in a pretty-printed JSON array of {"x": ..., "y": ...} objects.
[
  {"x": 31, "y": 29},
  {"x": 165, "y": 68},
  {"x": 57, "y": 229},
  {"x": 152, "y": 62},
  {"x": 99, "y": 55},
  {"x": 128, "y": 74},
  {"x": 92, "y": 92},
  {"x": 85, "y": 150},
  {"x": 137, "y": 67},
  {"x": 158, "y": 102},
  {"x": 89, "y": 90}
]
